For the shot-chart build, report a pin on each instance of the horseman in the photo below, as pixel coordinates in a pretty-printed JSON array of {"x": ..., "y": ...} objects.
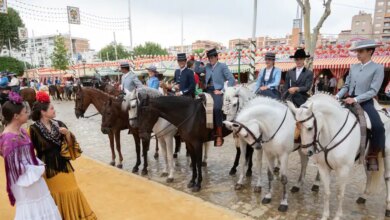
[
  {"x": 129, "y": 80},
  {"x": 267, "y": 83},
  {"x": 216, "y": 75},
  {"x": 363, "y": 84},
  {"x": 298, "y": 80},
  {"x": 184, "y": 78}
]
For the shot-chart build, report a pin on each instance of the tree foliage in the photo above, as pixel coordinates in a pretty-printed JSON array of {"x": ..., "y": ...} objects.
[
  {"x": 198, "y": 51},
  {"x": 13, "y": 65},
  {"x": 59, "y": 57},
  {"x": 109, "y": 51},
  {"x": 9, "y": 24},
  {"x": 149, "y": 48}
]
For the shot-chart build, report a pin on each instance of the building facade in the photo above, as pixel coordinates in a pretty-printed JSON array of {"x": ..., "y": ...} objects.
[
  {"x": 174, "y": 50},
  {"x": 381, "y": 22},
  {"x": 232, "y": 43},
  {"x": 206, "y": 45}
]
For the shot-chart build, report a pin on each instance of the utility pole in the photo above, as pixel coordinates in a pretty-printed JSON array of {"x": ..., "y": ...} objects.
[
  {"x": 10, "y": 47},
  {"x": 182, "y": 31},
  {"x": 116, "y": 52},
  {"x": 71, "y": 45},
  {"x": 130, "y": 28}
]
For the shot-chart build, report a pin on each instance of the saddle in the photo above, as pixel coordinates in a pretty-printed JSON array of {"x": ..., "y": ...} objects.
[{"x": 208, "y": 104}]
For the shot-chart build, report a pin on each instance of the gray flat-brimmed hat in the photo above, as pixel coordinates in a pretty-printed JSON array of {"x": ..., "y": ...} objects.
[
  {"x": 125, "y": 65},
  {"x": 364, "y": 44},
  {"x": 152, "y": 68},
  {"x": 270, "y": 55}
]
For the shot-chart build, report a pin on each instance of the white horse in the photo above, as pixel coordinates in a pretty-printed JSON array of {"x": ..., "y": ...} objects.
[
  {"x": 235, "y": 98},
  {"x": 163, "y": 130},
  {"x": 331, "y": 134},
  {"x": 267, "y": 124}
]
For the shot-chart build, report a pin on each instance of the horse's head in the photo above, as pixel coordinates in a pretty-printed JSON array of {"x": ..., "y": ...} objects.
[
  {"x": 147, "y": 117},
  {"x": 130, "y": 104},
  {"x": 231, "y": 102},
  {"x": 110, "y": 114},
  {"x": 81, "y": 103},
  {"x": 250, "y": 132},
  {"x": 308, "y": 124}
]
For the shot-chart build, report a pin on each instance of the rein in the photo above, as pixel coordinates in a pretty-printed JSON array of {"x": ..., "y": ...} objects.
[
  {"x": 318, "y": 147},
  {"x": 260, "y": 138}
]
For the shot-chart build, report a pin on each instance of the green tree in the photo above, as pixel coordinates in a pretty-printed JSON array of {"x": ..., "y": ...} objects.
[
  {"x": 149, "y": 48},
  {"x": 12, "y": 65},
  {"x": 198, "y": 51},
  {"x": 59, "y": 57},
  {"x": 9, "y": 24},
  {"x": 110, "y": 51}
]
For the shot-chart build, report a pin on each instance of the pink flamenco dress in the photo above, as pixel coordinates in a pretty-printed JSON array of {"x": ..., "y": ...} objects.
[{"x": 25, "y": 185}]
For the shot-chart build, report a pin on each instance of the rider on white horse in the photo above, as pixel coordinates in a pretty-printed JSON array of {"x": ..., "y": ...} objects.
[
  {"x": 363, "y": 84},
  {"x": 268, "y": 81}
]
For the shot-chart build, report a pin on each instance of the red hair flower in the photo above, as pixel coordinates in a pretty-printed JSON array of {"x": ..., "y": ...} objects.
[{"x": 42, "y": 97}]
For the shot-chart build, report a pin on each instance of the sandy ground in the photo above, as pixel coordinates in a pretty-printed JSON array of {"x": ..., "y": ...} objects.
[{"x": 115, "y": 194}]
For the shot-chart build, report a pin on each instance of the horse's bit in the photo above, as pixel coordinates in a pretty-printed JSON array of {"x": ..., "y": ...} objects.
[
  {"x": 318, "y": 147},
  {"x": 81, "y": 109},
  {"x": 259, "y": 139}
]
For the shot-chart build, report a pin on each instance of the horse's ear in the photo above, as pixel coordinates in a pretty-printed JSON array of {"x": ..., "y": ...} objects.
[
  {"x": 110, "y": 102},
  {"x": 292, "y": 107},
  {"x": 79, "y": 86},
  {"x": 310, "y": 106},
  {"x": 127, "y": 91}
]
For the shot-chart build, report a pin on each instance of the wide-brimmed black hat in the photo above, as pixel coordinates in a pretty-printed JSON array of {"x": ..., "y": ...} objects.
[
  {"x": 212, "y": 52},
  {"x": 300, "y": 53},
  {"x": 181, "y": 57},
  {"x": 125, "y": 65}
]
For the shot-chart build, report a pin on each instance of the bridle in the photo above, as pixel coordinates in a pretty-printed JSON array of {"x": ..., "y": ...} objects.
[
  {"x": 259, "y": 139},
  {"x": 317, "y": 146},
  {"x": 81, "y": 108}
]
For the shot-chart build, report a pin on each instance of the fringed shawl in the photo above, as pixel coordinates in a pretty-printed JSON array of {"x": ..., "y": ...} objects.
[
  {"x": 48, "y": 147},
  {"x": 17, "y": 151}
]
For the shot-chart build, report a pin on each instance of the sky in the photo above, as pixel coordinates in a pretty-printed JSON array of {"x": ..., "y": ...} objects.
[{"x": 160, "y": 20}]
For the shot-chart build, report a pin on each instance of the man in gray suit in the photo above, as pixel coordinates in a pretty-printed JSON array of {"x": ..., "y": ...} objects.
[
  {"x": 298, "y": 80},
  {"x": 363, "y": 84},
  {"x": 216, "y": 75},
  {"x": 129, "y": 80}
]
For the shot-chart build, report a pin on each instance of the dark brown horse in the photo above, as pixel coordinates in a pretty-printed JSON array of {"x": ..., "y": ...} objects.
[
  {"x": 86, "y": 96},
  {"x": 61, "y": 91},
  {"x": 189, "y": 116},
  {"x": 54, "y": 93},
  {"x": 113, "y": 118},
  {"x": 28, "y": 95}
]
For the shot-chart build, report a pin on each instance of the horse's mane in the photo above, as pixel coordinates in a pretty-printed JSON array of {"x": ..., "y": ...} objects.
[
  {"x": 264, "y": 100},
  {"x": 152, "y": 93},
  {"x": 325, "y": 97},
  {"x": 98, "y": 91},
  {"x": 173, "y": 100}
]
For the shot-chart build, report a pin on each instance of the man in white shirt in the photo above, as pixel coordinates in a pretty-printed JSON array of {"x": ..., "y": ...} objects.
[
  {"x": 298, "y": 80},
  {"x": 332, "y": 84},
  {"x": 14, "y": 84}
]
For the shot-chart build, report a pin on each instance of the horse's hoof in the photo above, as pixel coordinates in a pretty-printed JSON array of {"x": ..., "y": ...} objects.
[
  {"x": 155, "y": 156},
  {"x": 204, "y": 164},
  {"x": 232, "y": 172},
  {"x": 387, "y": 213},
  {"x": 112, "y": 163},
  {"x": 190, "y": 185},
  {"x": 361, "y": 200},
  {"x": 315, "y": 188},
  {"x": 238, "y": 186},
  {"x": 164, "y": 174},
  {"x": 248, "y": 173},
  {"x": 294, "y": 189},
  {"x": 120, "y": 166},
  {"x": 175, "y": 155},
  {"x": 283, "y": 208},
  {"x": 276, "y": 171},
  {"x": 266, "y": 201},
  {"x": 170, "y": 180},
  {"x": 144, "y": 172},
  {"x": 135, "y": 170},
  {"x": 196, "y": 189},
  {"x": 257, "y": 189}
]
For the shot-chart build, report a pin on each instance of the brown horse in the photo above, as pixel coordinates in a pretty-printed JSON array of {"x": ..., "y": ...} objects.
[
  {"x": 28, "y": 95},
  {"x": 61, "y": 92},
  {"x": 87, "y": 96}
]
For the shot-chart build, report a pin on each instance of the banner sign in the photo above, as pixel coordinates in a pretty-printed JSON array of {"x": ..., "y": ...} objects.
[{"x": 73, "y": 15}]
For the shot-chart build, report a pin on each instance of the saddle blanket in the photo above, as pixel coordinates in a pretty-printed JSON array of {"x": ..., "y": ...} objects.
[{"x": 208, "y": 104}]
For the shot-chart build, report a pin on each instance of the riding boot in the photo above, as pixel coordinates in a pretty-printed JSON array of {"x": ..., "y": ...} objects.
[
  {"x": 372, "y": 158},
  {"x": 219, "y": 140}
]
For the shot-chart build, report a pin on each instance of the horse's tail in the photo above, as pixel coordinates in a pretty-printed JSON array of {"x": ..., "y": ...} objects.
[{"x": 375, "y": 178}]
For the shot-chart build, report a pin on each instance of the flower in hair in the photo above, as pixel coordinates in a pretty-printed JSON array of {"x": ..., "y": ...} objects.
[
  {"x": 42, "y": 97},
  {"x": 15, "y": 98}
]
